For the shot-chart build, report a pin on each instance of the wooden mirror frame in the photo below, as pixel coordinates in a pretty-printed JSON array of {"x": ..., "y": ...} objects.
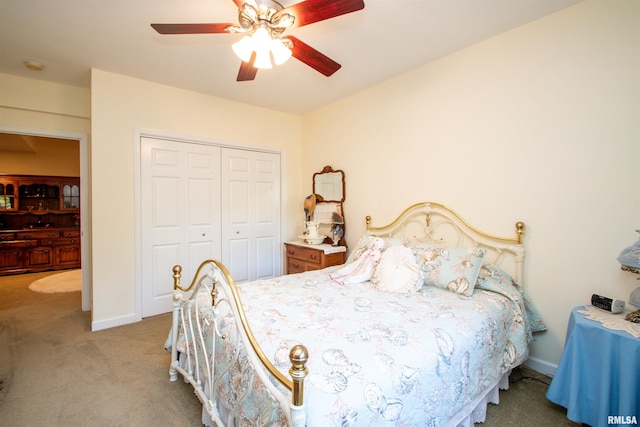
[
  {"x": 339, "y": 203},
  {"x": 328, "y": 170}
]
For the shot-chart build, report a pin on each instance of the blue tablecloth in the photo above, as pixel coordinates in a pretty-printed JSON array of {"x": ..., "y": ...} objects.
[{"x": 599, "y": 374}]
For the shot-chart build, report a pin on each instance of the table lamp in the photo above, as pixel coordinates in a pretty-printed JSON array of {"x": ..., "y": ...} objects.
[{"x": 629, "y": 260}]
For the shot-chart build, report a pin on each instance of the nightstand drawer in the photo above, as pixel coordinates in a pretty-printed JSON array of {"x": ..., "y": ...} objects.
[
  {"x": 297, "y": 266},
  {"x": 304, "y": 254},
  {"x": 302, "y": 257}
]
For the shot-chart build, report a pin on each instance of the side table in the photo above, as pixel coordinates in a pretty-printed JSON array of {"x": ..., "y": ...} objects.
[{"x": 598, "y": 378}]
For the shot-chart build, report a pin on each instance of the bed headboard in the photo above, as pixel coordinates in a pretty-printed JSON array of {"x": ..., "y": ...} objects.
[{"x": 435, "y": 223}]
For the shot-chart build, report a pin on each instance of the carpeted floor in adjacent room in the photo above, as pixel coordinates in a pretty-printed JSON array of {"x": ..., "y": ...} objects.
[{"x": 57, "y": 372}]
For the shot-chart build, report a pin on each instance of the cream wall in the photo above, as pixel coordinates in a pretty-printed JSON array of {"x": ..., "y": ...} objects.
[
  {"x": 119, "y": 106},
  {"x": 39, "y": 105},
  {"x": 539, "y": 124}
]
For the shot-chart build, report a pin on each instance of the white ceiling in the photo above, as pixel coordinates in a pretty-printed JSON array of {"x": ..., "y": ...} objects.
[{"x": 386, "y": 38}]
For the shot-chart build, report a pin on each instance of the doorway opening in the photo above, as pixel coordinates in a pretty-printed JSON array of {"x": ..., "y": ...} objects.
[{"x": 49, "y": 152}]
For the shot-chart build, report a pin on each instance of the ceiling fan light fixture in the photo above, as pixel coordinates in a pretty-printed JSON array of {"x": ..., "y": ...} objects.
[
  {"x": 263, "y": 22},
  {"x": 261, "y": 39},
  {"x": 280, "y": 52},
  {"x": 262, "y": 59},
  {"x": 264, "y": 45},
  {"x": 285, "y": 20},
  {"x": 243, "y": 48}
]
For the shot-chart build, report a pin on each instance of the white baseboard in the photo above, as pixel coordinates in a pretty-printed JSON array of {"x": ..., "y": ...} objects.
[
  {"x": 114, "y": 321},
  {"x": 541, "y": 366}
]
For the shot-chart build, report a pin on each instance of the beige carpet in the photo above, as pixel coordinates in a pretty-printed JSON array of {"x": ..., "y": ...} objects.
[{"x": 69, "y": 281}]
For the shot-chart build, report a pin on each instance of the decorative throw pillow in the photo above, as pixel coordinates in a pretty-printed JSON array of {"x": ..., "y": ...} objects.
[
  {"x": 455, "y": 269},
  {"x": 398, "y": 271}
]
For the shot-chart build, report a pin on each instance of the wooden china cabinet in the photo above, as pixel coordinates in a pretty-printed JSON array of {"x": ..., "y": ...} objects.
[{"x": 39, "y": 223}]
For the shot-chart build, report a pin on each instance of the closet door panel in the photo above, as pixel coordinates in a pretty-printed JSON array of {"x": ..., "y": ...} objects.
[
  {"x": 238, "y": 261},
  {"x": 265, "y": 260},
  {"x": 237, "y": 239},
  {"x": 180, "y": 214},
  {"x": 201, "y": 201},
  {"x": 162, "y": 209},
  {"x": 203, "y": 221},
  {"x": 251, "y": 190}
]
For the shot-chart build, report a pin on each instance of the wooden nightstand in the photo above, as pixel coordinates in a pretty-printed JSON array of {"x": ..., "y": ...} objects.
[{"x": 303, "y": 257}]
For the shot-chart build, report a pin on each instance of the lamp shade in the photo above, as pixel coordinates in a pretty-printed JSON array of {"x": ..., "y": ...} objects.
[
  {"x": 629, "y": 258},
  {"x": 262, "y": 59},
  {"x": 243, "y": 48},
  {"x": 280, "y": 52}
]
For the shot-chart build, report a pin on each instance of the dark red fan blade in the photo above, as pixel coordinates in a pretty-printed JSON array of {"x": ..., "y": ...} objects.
[
  {"x": 247, "y": 70},
  {"x": 190, "y": 28},
  {"x": 310, "y": 11},
  {"x": 314, "y": 59}
]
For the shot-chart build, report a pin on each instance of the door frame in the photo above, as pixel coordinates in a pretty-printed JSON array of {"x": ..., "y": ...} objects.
[
  {"x": 138, "y": 134},
  {"x": 85, "y": 237}
]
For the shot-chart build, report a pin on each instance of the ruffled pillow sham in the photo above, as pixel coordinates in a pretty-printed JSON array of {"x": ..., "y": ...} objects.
[{"x": 397, "y": 271}]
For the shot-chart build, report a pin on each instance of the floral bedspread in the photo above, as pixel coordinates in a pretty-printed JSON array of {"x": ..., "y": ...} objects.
[
  {"x": 409, "y": 359},
  {"x": 379, "y": 358}
]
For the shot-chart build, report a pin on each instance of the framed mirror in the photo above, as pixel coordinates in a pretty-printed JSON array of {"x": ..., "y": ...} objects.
[
  {"x": 329, "y": 185},
  {"x": 329, "y": 191}
]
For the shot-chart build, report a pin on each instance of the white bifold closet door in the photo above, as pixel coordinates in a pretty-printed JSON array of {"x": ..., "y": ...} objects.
[
  {"x": 251, "y": 214},
  {"x": 203, "y": 201}
]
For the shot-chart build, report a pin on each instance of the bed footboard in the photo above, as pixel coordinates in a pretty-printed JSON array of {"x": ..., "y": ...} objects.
[{"x": 214, "y": 349}]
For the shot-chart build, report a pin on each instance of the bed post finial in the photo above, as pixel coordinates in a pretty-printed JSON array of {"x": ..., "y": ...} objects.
[
  {"x": 298, "y": 371},
  {"x": 177, "y": 273},
  {"x": 367, "y": 220},
  {"x": 520, "y": 231}
]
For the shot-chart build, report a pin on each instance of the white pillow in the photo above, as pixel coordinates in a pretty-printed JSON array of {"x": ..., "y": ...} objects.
[{"x": 398, "y": 271}]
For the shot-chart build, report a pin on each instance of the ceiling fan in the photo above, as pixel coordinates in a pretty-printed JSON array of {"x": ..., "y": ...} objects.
[{"x": 263, "y": 22}]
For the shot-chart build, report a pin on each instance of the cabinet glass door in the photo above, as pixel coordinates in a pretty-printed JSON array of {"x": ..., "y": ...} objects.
[
  {"x": 7, "y": 196},
  {"x": 70, "y": 196}
]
